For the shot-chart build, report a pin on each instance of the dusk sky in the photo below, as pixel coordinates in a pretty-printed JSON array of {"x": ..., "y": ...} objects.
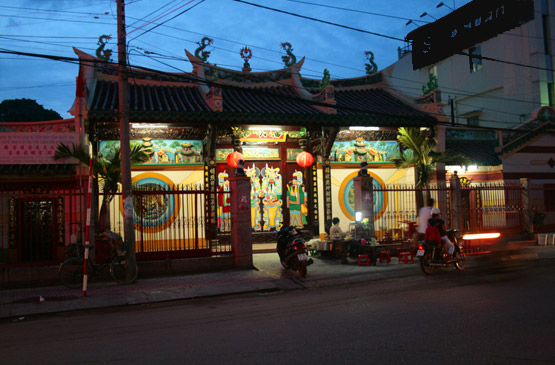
[{"x": 53, "y": 27}]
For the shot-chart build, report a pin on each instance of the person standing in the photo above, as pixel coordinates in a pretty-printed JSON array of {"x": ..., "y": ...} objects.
[{"x": 424, "y": 214}]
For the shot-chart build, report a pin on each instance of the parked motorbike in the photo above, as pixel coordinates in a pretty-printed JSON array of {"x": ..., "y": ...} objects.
[
  {"x": 292, "y": 251},
  {"x": 433, "y": 256}
]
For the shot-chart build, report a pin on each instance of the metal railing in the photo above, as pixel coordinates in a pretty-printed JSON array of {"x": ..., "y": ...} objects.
[{"x": 172, "y": 223}]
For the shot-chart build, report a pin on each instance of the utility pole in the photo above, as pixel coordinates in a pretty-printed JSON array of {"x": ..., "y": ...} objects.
[{"x": 123, "y": 115}]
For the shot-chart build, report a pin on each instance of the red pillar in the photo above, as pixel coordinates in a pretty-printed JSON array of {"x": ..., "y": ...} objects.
[{"x": 241, "y": 230}]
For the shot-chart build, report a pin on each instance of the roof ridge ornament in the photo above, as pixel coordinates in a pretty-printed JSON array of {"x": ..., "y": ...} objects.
[
  {"x": 104, "y": 54},
  {"x": 290, "y": 59},
  {"x": 246, "y": 54},
  {"x": 200, "y": 52},
  {"x": 370, "y": 67},
  {"x": 325, "y": 79}
]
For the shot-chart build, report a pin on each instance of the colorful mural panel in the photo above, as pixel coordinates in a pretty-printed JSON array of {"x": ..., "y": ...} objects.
[
  {"x": 272, "y": 202},
  {"x": 161, "y": 152},
  {"x": 153, "y": 212},
  {"x": 360, "y": 150},
  {"x": 221, "y": 154},
  {"x": 292, "y": 154},
  {"x": 347, "y": 196},
  {"x": 257, "y": 153},
  {"x": 224, "y": 203},
  {"x": 296, "y": 200}
]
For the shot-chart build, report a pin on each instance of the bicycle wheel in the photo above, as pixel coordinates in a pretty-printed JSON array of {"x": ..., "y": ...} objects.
[
  {"x": 71, "y": 272},
  {"x": 118, "y": 270}
]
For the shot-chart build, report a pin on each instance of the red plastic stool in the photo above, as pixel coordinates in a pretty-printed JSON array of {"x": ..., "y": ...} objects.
[
  {"x": 385, "y": 256},
  {"x": 406, "y": 257},
  {"x": 363, "y": 259}
]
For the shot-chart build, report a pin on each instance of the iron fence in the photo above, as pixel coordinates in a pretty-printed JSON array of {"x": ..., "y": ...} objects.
[{"x": 172, "y": 222}]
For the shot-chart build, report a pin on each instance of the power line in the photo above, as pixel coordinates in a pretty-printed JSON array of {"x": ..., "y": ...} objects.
[
  {"x": 183, "y": 12},
  {"x": 354, "y": 10},
  {"x": 160, "y": 17},
  {"x": 151, "y": 13},
  {"x": 320, "y": 20}
]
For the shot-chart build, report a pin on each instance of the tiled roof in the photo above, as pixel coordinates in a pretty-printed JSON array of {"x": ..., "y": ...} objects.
[
  {"x": 481, "y": 152},
  {"x": 144, "y": 97},
  {"x": 376, "y": 101},
  {"x": 173, "y": 102},
  {"x": 282, "y": 99}
]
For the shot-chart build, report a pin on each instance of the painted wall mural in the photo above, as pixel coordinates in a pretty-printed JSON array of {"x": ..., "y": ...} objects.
[
  {"x": 153, "y": 212},
  {"x": 360, "y": 150},
  {"x": 296, "y": 200},
  {"x": 161, "y": 152},
  {"x": 346, "y": 196},
  {"x": 224, "y": 203},
  {"x": 272, "y": 202}
]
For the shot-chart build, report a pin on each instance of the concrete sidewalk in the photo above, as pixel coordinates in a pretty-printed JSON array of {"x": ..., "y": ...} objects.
[{"x": 266, "y": 276}]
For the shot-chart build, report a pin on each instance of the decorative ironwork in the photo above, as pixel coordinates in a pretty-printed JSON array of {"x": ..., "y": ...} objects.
[
  {"x": 200, "y": 52},
  {"x": 290, "y": 59}
]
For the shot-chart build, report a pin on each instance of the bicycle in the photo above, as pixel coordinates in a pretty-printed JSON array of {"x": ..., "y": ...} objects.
[{"x": 71, "y": 270}]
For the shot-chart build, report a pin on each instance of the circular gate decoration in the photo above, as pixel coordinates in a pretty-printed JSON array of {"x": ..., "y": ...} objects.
[
  {"x": 347, "y": 196},
  {"x": 154, "y": 206}
]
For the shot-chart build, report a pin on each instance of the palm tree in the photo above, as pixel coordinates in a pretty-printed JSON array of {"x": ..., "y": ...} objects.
[
  {"x": 107, "y": 169},
  {"x": 418, "y": 150}
]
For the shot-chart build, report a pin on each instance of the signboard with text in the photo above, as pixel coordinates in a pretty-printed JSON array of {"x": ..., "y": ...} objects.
[
  {"x": 33, "y": 148},
  {"x": 465, "y": 27}
]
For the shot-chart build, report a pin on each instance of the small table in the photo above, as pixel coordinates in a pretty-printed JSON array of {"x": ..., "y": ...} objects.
[{"x": 375, "y": 249}]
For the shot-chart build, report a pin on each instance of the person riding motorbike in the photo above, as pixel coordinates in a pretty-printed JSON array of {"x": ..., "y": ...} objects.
[{"x": 436, "y": 221}]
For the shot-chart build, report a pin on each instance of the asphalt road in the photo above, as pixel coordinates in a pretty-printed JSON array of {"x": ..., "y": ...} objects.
[{"x": 475, "y": 317}]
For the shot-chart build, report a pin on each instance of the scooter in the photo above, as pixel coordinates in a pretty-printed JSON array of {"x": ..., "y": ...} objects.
[
  {"x": 292, "y": 252},
  {"x": 432, "y": 256}
]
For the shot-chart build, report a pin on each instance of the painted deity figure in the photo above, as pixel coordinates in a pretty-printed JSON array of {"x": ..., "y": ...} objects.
[
  {"x": 256, "y": 194},
  {"x": 271, "y": 190},
  {"x": 296, "y": 200},
  {"x": 224, "y": 203}
]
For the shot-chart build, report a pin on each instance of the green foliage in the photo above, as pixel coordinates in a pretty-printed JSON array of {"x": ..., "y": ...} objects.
[
  {"x": 107, "y": 168},
  {"x": 25, "y": 110},
  {"x": 418, "y": 150},
  {"x": 422, "y": 153},
  {"x": 431, "y": 85}
]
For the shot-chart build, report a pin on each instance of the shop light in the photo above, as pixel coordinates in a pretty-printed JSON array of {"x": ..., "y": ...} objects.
[
  {"x": 358, "y": 216},
  {"x": 364, "y": 128}
]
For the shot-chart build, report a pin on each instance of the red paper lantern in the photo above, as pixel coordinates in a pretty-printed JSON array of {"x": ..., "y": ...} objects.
[
  {"x": 232, "y": 158},
  {"x": 305, "y": 159}
]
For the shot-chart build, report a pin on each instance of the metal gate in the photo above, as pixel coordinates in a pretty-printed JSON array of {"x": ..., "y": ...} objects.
[{"x": 172, "y": 222}]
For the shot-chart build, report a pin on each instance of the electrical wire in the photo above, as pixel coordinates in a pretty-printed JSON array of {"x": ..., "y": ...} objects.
[
  {"x": 320, "y": 20},
  {"x": 183, "y": 12},
  {"x": 160, "y": 17}
]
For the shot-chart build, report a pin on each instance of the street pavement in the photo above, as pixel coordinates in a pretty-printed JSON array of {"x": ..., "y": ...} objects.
[{"x": 266, "y": 276}]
